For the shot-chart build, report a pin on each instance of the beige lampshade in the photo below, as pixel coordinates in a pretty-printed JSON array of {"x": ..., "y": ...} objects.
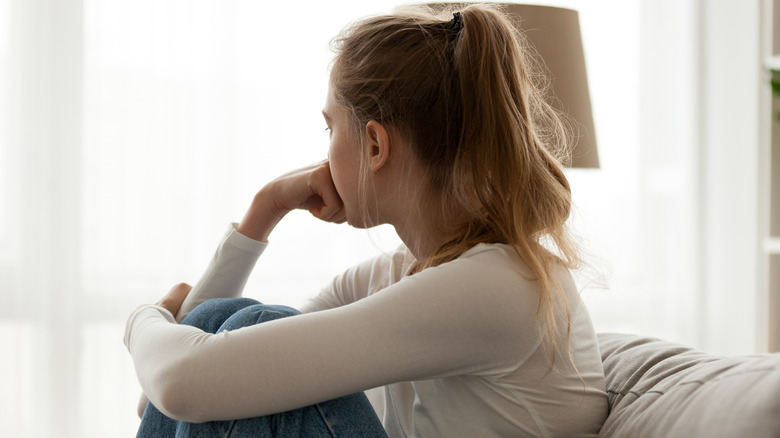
[{"x": 555, "y": 34}]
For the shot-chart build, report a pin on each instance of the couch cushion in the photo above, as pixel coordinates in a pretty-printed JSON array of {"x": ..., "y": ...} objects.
[{"x": 658, "y": 388}]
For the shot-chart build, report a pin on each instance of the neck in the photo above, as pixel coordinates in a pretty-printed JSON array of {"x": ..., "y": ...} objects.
[
  {"x": 424, "y": 231},
  {"x": 420, "y": 245},
  {"x": 402, "y": 186}
]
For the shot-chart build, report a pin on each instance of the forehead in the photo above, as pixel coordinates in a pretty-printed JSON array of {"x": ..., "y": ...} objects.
[{"x": 332, "y": 108}]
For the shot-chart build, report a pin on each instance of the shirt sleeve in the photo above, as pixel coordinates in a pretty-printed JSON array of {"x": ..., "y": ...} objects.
[
  {"x": 225, "y": 277},
  {"x": 451, "y": 320},
  {"x": 228, "y": 271}
]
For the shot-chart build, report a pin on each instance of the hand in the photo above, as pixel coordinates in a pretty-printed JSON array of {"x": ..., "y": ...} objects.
[
  {"x": 310, "y": 188},
  {"x": 174, "y": 298},
  {"x": 172, "y": 302}
]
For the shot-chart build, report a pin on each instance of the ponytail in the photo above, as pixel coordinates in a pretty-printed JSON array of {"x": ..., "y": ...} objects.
[{"x": 463, "y": 89}]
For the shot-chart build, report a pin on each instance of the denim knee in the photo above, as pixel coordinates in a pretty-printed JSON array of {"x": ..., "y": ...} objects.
[
  {"x": 211, "y": 314},
  {"x": 257, "y": 314}
]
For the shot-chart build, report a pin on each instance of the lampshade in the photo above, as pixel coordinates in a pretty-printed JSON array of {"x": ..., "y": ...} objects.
[{"x": 555, "y": 34}]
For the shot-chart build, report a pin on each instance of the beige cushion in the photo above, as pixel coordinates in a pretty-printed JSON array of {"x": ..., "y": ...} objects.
[{"x": 662, "y": 389}]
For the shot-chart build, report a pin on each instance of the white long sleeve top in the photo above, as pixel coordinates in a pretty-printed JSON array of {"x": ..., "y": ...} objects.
[{"x": 452, "y": 351}]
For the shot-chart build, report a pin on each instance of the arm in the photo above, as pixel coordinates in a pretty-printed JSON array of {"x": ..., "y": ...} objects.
[
  {"x": 309, "y": 188},
  {"x": 228, "y": 272},
  {"x": 435, "y": 324}
]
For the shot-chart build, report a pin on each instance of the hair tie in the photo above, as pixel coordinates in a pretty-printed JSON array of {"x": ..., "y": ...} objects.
[{"x": 456, "y": 25}]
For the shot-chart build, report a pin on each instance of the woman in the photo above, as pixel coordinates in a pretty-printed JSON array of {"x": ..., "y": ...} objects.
[{"x": 472, "y": 328}]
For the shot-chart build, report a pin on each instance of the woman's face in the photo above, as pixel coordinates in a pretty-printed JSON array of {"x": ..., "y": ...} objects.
[{"x": 344, "y": 158}]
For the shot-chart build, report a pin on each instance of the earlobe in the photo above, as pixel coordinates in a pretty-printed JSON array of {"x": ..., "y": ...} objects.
[{"x": 379, "y": 142}]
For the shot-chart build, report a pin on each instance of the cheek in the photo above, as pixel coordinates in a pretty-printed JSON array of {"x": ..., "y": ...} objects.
[
  {"x": 345, "y": 171},
  {"x": 340, "y": 169}
]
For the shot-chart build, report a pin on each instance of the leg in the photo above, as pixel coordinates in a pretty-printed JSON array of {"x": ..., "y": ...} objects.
[
  {"x": 350, "y": 416},
  {"x": 208, "y": 317}
]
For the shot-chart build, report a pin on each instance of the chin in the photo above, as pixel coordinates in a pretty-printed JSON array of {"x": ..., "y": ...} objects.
[
  {"x": 359, "y": 221},
  {"x": 362, "y": 225}
]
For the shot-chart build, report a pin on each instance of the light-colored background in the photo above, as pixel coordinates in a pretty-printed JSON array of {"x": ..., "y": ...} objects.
[{"x": 133, "y": 132}]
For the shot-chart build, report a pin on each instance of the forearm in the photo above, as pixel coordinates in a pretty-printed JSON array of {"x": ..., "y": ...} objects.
[
  {"x": 272, "y": 367},
  {"x": 406, "y": 332},
  {"x": 310, "y": 188},
  {"x": 262, "y": 216},
  {"x": 227, "y": 272}
]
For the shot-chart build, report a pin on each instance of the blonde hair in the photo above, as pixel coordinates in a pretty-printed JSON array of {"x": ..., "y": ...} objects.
[{"x": 471, "y": 104}]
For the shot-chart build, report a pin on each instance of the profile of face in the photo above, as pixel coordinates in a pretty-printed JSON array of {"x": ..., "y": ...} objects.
[{"x": 344, "y": 158}]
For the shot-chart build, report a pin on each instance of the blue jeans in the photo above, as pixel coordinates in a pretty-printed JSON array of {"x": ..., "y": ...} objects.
[{"x": 349, "y": 416}]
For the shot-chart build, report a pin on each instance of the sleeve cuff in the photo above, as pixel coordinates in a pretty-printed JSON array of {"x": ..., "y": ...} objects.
[
  {"x": 145, "y": 309},
  {"x": 242, "y": 242}
]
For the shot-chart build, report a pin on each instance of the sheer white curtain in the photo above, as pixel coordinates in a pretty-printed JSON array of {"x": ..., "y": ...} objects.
[
  {"x": 640, "y": 210},
  {"x": 132, "y": 133}
]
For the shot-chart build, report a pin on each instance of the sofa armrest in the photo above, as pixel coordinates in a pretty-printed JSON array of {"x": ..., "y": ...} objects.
[{"x": 663, "y": 389}]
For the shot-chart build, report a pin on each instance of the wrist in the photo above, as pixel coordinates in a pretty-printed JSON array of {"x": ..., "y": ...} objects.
[{"x": 262, "y": 217}]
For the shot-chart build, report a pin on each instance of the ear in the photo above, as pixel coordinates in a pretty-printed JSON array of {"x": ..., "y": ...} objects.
[{"x": 379, "y": 142}]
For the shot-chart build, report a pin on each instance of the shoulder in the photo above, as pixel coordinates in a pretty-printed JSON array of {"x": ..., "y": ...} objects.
[
  {"x": 490, "y": 275},
  {"x": 503, "y": 263},
  {"x": 486, "y": 297},
  {"x": 485, "y": 275},
  {"x": 378, "y": 272},
  {"x": 486, "y": 264},
  {"x": 362, "y": 280}
]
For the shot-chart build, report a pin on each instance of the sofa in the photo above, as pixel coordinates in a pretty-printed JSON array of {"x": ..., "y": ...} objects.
[{"x": 662, "y": 389}]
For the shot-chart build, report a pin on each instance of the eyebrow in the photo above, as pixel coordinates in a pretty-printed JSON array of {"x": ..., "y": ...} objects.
[{"x": 324, "y": 114}]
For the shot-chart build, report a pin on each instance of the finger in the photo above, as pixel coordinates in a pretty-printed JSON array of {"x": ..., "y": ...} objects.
[
  {"x": 175, "y": 297},
  {"x": 332, "y": 206},
  {"x": 314, "y": 202},
  {"x": 182, "y": 288},
  {"x": 340, "y": 219}
]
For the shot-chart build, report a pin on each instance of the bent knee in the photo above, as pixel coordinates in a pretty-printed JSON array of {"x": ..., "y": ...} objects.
[
  {"x": 211, "y": 314},
  {"x": 257, "y": 314}
]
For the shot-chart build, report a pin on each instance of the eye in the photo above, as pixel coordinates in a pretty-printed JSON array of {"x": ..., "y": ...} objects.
[{"x": 328, "y": 130}]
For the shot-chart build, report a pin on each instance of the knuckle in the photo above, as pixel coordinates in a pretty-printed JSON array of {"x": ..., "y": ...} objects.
[{"x": 182, "y": 287}]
